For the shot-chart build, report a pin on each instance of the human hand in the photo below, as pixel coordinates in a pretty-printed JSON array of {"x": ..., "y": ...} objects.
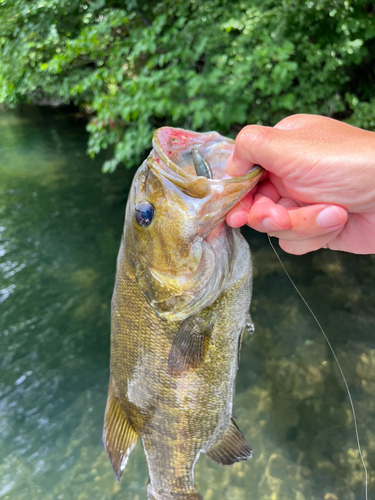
[{"x": 319, "y": 189}]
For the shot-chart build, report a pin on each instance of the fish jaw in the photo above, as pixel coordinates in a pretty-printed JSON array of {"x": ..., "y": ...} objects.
[{"x": 179, "y": 266}]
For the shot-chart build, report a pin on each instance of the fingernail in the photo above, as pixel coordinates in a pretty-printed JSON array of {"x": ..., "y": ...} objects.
[
  {"x": 329, "y": 217},
  {"x": 269, "y": 225}
]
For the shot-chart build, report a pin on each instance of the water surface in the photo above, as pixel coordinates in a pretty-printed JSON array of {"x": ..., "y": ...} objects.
[{"x": 60, "y": 227}]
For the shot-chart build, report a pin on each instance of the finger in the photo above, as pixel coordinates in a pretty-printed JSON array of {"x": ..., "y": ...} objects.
[
  {"x": 265, "y": 146},
  {"x": 288, "y": 203},
  {"x": 280, "y": 186},
  {"x": 309, "y": 222},
  {"x": 269, "y": 190},
  {"x": 267, "y": 216},
  {"x": 242, "y": 158},
  {"x": 277, "y": 193},
  {"x": 237, "y": 216},
  {"x": 358, "y": 237},
  {"x": 300, "y": 247}
]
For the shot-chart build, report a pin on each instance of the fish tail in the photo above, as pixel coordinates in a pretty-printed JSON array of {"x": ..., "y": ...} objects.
[{"x": 153, "y": 495}]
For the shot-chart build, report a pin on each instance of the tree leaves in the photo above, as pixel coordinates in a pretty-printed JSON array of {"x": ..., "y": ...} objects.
[{"x": 213, "y": 64}]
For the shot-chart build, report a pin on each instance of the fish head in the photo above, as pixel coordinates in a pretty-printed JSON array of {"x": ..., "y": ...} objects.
[{"x": 175, "y": 231}]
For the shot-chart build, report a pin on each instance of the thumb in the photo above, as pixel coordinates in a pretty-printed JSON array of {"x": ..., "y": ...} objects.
[{"x": 256, "y": 144}]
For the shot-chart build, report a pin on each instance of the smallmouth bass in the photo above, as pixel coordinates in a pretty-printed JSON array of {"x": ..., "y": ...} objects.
[{"x": 179, "y": 308}]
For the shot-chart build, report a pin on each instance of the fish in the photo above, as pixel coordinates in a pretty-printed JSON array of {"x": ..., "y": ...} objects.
[{"x": 179, "y": 309}]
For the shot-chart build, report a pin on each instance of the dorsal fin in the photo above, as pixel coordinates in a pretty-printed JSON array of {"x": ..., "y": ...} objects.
[
  {"x": 231, "y": 448},
  {"x": 119, "y": 437}
]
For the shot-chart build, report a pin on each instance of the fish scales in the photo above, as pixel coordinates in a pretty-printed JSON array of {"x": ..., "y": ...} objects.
[{"x": 177, "y": 323}]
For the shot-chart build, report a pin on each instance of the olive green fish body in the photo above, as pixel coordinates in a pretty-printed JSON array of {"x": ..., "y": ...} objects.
[{"x": 175, "y": 340}]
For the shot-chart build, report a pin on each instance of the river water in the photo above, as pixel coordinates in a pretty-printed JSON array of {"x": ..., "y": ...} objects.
[{"x": 60, "y": 227}]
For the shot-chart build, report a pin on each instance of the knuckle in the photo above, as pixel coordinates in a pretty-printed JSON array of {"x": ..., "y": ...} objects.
[
  {"x": 252, "y": 137},
  {"x": 254, "y": 133}
]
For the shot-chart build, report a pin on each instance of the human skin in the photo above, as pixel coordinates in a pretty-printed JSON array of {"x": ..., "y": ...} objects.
[{"x": 319, "y": 188}]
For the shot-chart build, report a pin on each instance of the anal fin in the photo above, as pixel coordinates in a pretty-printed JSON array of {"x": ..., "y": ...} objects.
[
  {"x": 188, "y": 346},
  {"x": 119, "y": 438},
  {"x": 231, "y": 448}
]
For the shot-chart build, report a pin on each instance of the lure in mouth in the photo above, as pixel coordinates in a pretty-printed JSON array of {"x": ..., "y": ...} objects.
[
  {"x": 201, "y": 165},
  {"x": 203, "y": 168}
]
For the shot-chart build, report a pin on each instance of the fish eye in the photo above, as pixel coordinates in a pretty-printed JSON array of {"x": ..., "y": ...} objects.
[{"x": 144, "y": 213}]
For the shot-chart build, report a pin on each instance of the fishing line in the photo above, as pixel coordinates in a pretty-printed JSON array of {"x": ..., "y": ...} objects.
[{"x": 334, "y": 356}]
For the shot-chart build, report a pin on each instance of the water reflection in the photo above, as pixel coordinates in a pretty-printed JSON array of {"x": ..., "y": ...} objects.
[{"x": 61, "y": 221}]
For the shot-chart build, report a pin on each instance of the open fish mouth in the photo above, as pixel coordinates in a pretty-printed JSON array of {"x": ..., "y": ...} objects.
[
  {"x": 176, "y": 148},
  {"x": 195, "y": 163}
]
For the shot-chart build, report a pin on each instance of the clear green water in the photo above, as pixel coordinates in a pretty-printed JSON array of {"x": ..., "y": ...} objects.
[{"x": 60, "y": 223}]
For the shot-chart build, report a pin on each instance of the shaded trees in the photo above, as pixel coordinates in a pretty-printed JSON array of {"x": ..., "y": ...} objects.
[{"x": 213, "y": 64}]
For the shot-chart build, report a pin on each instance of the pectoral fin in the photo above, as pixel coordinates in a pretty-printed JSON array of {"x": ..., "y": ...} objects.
[
  {"x": 188, "y": 347},
  {"x": 119, "y": 437},
  {"x": 231, "y": 448},
  {"x": 248, "y": 327}
]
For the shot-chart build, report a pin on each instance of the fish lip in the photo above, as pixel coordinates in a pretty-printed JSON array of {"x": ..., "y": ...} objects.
[{"x": 159, "y": 150}]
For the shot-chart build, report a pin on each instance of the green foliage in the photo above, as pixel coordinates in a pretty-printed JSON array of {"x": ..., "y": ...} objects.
[{"x": 200, "y": 64}]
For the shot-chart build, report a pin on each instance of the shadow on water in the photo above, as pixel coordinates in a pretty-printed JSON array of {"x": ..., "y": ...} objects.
[{"x": 60, "y": 223}]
